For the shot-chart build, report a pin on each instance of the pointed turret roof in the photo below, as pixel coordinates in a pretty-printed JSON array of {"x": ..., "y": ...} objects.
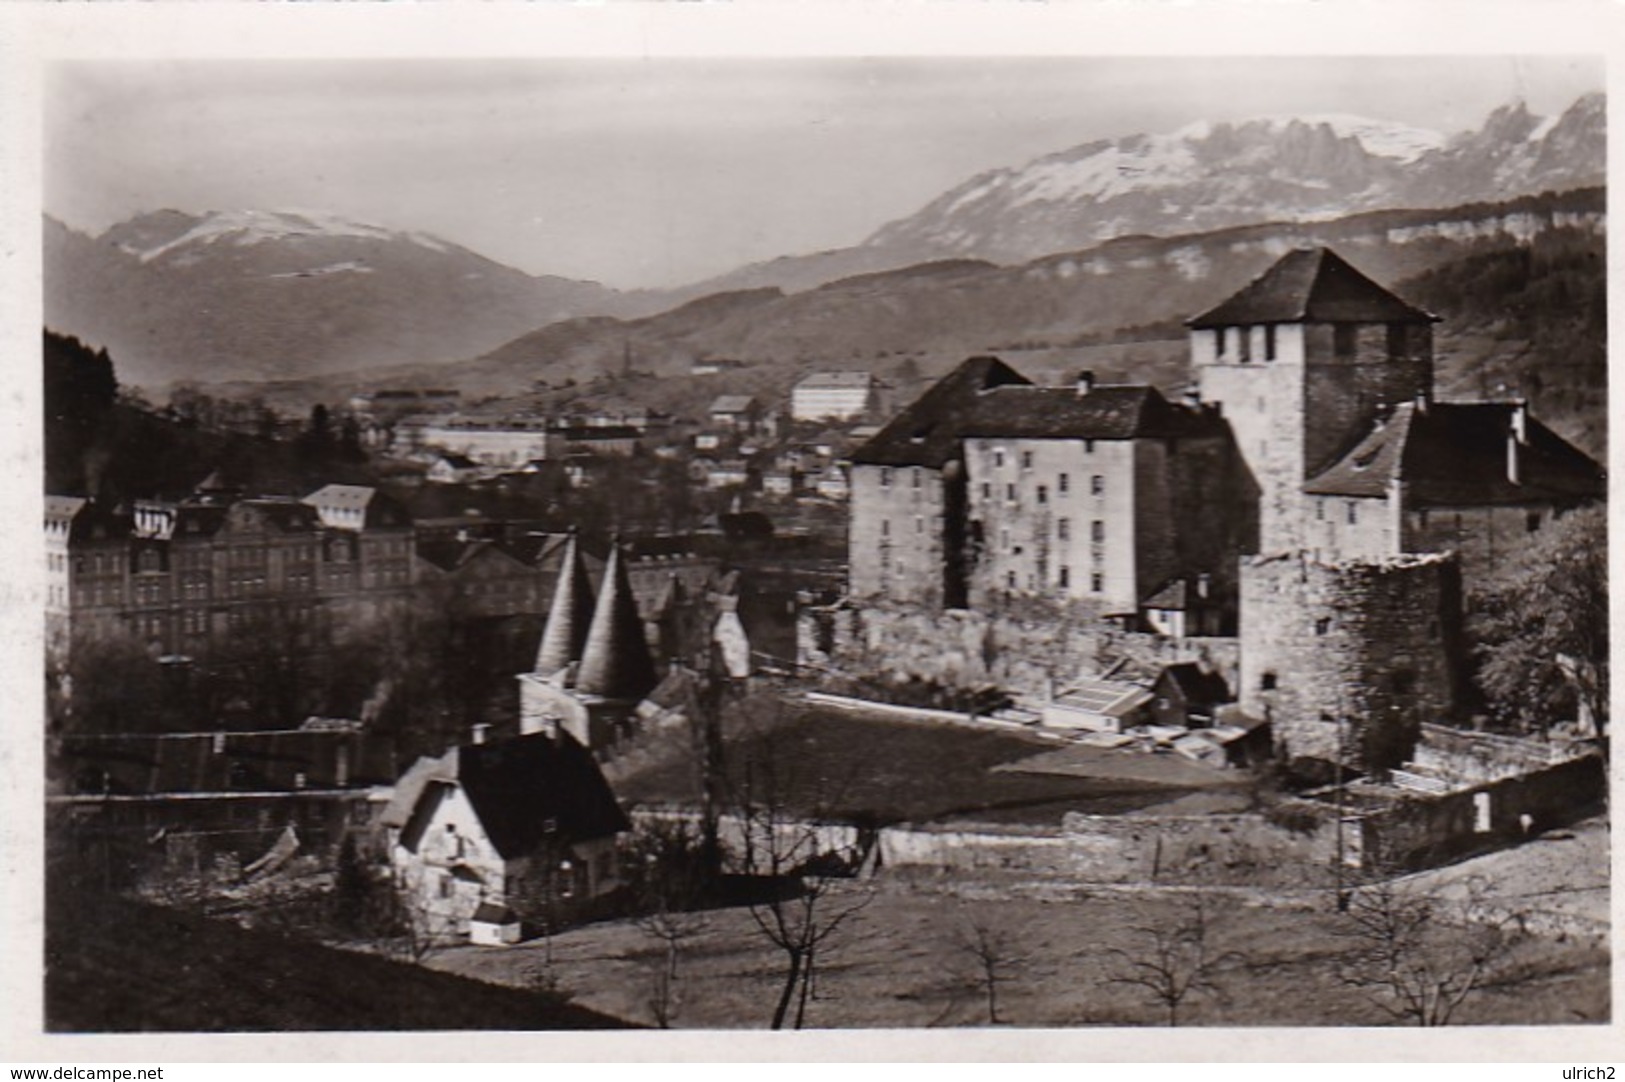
[
  {"x": 570, "y": 616},
  {"x": 616, "y": 663},
  {"x": 1311, "y": 285}
]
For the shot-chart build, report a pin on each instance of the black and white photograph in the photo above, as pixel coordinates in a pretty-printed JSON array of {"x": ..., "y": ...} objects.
[{"x": 1067, "y": 542}]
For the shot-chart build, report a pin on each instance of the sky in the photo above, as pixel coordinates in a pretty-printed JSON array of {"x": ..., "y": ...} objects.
[{"x": 658, "y": 172}]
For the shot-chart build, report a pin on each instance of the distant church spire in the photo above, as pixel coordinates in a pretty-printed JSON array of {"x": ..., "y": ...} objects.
[
  {"x": 570, "y": 615},
  {"x": 616, "y": 662}
]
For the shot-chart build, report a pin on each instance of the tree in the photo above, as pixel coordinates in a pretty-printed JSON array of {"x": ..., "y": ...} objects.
[
  {"x": 670, "y": 876},
  {"x": 1542, "y": 627},
  {"x": 992, "y": 950},
  {"x": 1416, "y": 957},
  {"x": 803, "y": 877},
  {"x": 1174, "y": 960}
]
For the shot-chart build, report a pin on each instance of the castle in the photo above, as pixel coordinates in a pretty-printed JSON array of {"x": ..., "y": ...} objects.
[{"x": 1308, "y": 499}]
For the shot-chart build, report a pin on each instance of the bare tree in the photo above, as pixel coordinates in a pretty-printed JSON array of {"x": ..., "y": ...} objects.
[
  {"x": 992, "y": 950},
  {"x": 1416, "y": 956},
  {"x": 670, "y": 876},
  {"x": 1174, "y": 960}
]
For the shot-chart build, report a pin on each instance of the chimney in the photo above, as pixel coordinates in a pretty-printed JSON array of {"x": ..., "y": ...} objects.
[
  {"x": 1422, "y": 402},
  {"x": 1520, "y": 421},
  {"x": 1086, "y": 382},
  {"x": 477, "y": 733},
  {"x": 1514, "y": 466}
]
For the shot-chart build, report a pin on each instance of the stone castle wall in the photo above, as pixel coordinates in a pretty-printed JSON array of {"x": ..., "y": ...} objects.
[{"x": 1374, "y": 643}]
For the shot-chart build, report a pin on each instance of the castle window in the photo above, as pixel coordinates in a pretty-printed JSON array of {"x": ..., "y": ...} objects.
[
  {"x": 1097, "y": 582},
  {"x": 1531, "y": 521},
  {"x": 1323, "y": 625},
  {"x": 1043, "y": 494},
  {"x": 1088, "y": 447},
  {"x": 1063, "y": 577},
  {"x": 885, "y": 477},
  {"x": 987, "y": 491},
  {"x": 1063, "y": 529},
  {"x": 1354, "y": 513},
  {"x": 998, "y": 459},
  {"x": 1320, "y": 510},
  {"x": 1267, "y": 682},
  {"x": 1345, "y": 337},
  {"x": 1026, "y": 460},
  {"x": 1269, "y": 341},
  {"x": 1010, "y": 493},
  {"x": 1063, "y": 484},
  {"x": 1010, "y": 579},
  {"x": 1097, "y": 485},
  {"x": 1097, "y": 531}
]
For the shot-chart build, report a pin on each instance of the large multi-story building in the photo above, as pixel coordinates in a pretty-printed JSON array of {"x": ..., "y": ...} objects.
[
  {"x": 1312, "y": 479},
  {"x": 835, "y": 396},
  {"x": 990, "y": 489}
]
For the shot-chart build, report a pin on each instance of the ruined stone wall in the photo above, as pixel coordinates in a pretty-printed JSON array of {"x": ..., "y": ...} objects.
[
  {"x": 1374, "y": 643},
  {"x": 896, "y": 534},
  {"x": 1029, "y": 653},
  {"x": 1239, "y": 850}
]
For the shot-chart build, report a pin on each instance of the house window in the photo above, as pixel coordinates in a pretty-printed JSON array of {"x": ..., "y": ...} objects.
[
  {"x": 1063, "y": 484},
  {"x": 1244, "y": 337},
  {"x": 1010, "y": 493},
  {"x": 885, "y": 477},
  {"x": 987, "y": 491},
  {"x": 1354, "y": 513},
  {"x": 914, "y": 477},
  {"x": 1269, "y": 341},
  {"x": 1097, "y": 582},
  {"x": 998, "y": 459},
  {"x": 1010, "y": 580},
  {"x": 1004, "y": 539},
  {"x": 1097, "y": 531},
  {"x": 1063, "y": 529},
  {"x": 1043, "y": 494},
  {"x": 1221, "y": 337},
  {"x": 1097, "y": 485},
  {"x": 1320, "y": 510},
  {"x": 1063, "y": 577},
  {"x": 1026, "y": 460},
  {"x": 1267, "y": 682},
  {"x": 1344, "y": 338},
  {"x": 1323, "y": 625},
  {"x": 885, "y": 527},
  {"x": 1088, "y": 447}
]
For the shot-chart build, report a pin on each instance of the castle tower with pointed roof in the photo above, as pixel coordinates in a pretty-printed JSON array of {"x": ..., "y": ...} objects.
[
  {"x": 615, "y": 663},
  {"x": 568, "y": 618},
  {"x": 1302, "y": 360}
]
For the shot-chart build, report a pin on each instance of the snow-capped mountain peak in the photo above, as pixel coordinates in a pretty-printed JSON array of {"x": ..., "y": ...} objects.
[{"x": 249, "y": 227}]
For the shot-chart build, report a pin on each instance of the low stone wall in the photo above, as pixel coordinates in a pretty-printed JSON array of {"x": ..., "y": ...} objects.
[
  {"x": 1212, "y": 850},
  {"x": 1476, "y": 756},
  {"x": 1028, "y": 653}
]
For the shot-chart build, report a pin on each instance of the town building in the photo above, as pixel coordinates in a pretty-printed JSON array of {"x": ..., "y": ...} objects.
[
  {"x": 836, "y": 396},
  {"x": 509, "y": 831}
]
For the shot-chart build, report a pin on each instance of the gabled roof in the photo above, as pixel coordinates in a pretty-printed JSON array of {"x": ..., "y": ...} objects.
[
  {"x": 927, "y": 432},
  {"x": 374, "y": 508},
  {"x": 836, "y": 381},
  {"x": 986, "y": 397},
  {"x": 733, "y": 403},
  {"x": 1455, "y": 455},
  {"x": 1311, "y": 285},
  {"x": 1105, "y": 697},
  {"x": 531, "y": 788}
]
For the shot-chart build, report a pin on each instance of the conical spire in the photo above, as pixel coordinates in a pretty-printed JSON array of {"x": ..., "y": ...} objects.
[
  {"x": 616, "y": 662},
  {"x": 570, "y": 615}
]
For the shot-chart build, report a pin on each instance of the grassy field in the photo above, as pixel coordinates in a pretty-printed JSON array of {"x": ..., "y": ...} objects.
[
  {"x": 115, "y": 966},
  {"x": 830, "y": 761}
]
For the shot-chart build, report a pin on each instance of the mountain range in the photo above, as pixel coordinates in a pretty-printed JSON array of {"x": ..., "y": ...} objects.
[{"x": 1111, "y": 234}]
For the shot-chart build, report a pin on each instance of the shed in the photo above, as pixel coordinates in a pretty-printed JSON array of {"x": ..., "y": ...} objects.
[
  {"x": 1097, "y": 706},
  {"x": 493, "y": 925},
  {"x": 1187, "y": 696}
]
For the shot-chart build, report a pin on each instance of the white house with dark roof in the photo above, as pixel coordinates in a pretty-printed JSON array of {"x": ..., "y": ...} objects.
[
  {"x": 503, "y": 831},
  {"x": 832, "y": 396}
]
